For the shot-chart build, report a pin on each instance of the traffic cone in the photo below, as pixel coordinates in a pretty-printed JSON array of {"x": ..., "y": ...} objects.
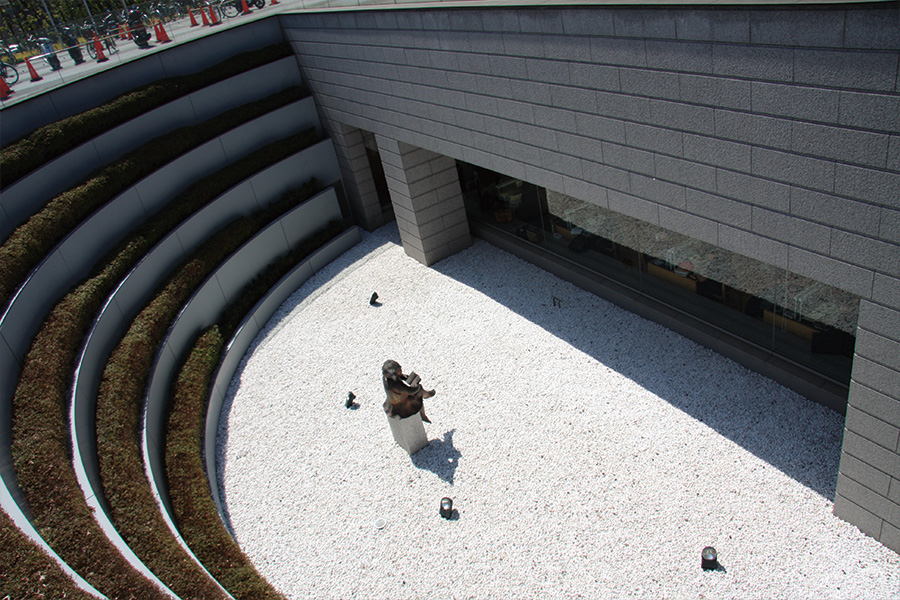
[
  {"x": 32, "y": 71},
  {"x": 273, "y": 3},
  {"x": 246, "y": 9},
  {"x": 205, "y": 20},
  {"x": 99, "y": 48},
  {"x": 5, "y": 90},
  {"x": 194, "y": 22},
  {"x": 213, "y": 19},
  {"x": 161, "y": 36}
]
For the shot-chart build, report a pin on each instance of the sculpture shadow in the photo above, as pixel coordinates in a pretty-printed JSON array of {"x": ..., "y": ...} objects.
[{"x": 440, "y": 457}]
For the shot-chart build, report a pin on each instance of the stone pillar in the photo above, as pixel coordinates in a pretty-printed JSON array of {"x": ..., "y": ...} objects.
[
  {"x": 356, "y": 175},
  {"x": 427, "y": 199},
  {"x": 409, "y": 433},
  {"x": 868, "y": 487}
]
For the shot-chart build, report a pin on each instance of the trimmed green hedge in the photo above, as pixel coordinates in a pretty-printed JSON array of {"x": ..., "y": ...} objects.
[
  {"x": 194, "y": 509},
  {"x": 55, "y": 139},
  {"x": 40, "y": 424},
  {"x": 121, "y": 397}
]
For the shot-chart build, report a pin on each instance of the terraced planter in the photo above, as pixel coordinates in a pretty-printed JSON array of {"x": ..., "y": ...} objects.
[
  {"x": 317, "y": 161},
  {"x": 27, "y": 195}
]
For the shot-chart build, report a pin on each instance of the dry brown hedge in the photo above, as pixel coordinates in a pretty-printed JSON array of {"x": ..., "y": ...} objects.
[
  {"x": 29, "y": 243},
  {"x": 194, "y": 508},
  {"x": 40, "y": 422},
  {"x": 55, "y": 139}
]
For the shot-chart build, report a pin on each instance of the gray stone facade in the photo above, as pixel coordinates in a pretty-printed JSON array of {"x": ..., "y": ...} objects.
[
  {"x": 428, "y": 205},
  {"x": 773, "y": 132}
]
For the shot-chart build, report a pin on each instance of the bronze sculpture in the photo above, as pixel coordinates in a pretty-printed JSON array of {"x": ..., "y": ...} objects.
[{"x": 404, "y": 392}]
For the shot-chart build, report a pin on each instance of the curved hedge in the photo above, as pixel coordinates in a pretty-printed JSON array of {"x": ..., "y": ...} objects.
[
  {"x": 40, "y": 422},
  {"x": 133, "y": 508},
  {"x": 26, "y": 572},
  {"x": 53, "y": 140},
  {"x": 41, "y": 449},
  {"x": 194, "y": 509},
  {"x": 32, "y": 241}
]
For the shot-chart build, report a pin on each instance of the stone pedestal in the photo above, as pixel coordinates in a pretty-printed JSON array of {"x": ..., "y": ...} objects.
[{"x": 409, "y": 433}]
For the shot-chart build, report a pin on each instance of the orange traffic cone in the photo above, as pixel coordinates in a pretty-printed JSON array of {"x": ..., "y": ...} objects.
[
  {"x": 99, "y": 48},
  {"x": 213, "y": 19},
  {"x": 161, "y": 36},
  {"x": 194, "y": 22},
  {"x": 205, "y": 20},
  {"x": 246, "y": 9},
  {"x": 5, "y": 90},
  {"x": 32, "y": 71}
]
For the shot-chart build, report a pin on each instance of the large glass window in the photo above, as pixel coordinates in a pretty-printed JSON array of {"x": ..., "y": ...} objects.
[{"x": 801, "y": 319}]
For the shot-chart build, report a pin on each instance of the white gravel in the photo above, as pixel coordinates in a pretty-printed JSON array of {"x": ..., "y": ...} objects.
[{"x": 589, "y": 453}]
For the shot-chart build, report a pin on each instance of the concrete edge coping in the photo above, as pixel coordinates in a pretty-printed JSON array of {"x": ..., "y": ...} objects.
[
  {"x": 37, "y": 188},
  {"x": 10, "y": 484},
  {"x": 181, "y": 333},
  {"x": 244, "y": 336},
  {"x": 71, "y": 272},
  {"x": 114, "y": 316},
  {"x": 111, "y": 322}
]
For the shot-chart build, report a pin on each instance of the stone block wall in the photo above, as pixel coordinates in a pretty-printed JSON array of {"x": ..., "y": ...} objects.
[{"x": 771, "y": 131}]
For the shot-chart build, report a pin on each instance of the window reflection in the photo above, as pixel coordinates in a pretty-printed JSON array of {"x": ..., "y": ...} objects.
[{"x": 804, "y": 320}]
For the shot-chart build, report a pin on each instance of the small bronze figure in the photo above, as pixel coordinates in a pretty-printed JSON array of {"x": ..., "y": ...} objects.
[{"x": 404, "y": 392}]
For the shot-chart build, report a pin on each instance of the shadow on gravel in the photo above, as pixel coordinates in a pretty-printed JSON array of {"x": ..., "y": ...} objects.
[
  {"x": 440, "y": 457},
  {"x": 795, "y": 435}
]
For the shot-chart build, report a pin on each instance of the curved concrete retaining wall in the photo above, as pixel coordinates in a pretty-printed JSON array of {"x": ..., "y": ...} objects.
[
  {"x": 204, "y": 308},
  {"x": 73, "y": 258},
  {"x": 130, "y": 296},
  {"x": 26, "y": 196},
  {"x": 247, "y": 332},
  {"x": 76, "y": 97}
]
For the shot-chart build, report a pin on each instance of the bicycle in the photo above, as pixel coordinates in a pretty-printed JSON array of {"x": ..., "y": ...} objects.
[
  {"x": 9, "y": 73},
  {"x": 232, "y": 8},
  {"x": 109, "y": 46}
]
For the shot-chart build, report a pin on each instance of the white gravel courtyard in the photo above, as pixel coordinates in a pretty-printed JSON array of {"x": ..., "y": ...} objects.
[{"x": 589, "y": 453}]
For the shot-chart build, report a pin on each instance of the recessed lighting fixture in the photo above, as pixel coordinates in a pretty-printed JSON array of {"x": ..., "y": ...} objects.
[{"x": 446, "y": 507}]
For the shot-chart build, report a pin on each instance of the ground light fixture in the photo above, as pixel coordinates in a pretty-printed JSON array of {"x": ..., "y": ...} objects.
[
  {"x": 709, "y": 559},
  {"x": 446, "y": 508}
]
